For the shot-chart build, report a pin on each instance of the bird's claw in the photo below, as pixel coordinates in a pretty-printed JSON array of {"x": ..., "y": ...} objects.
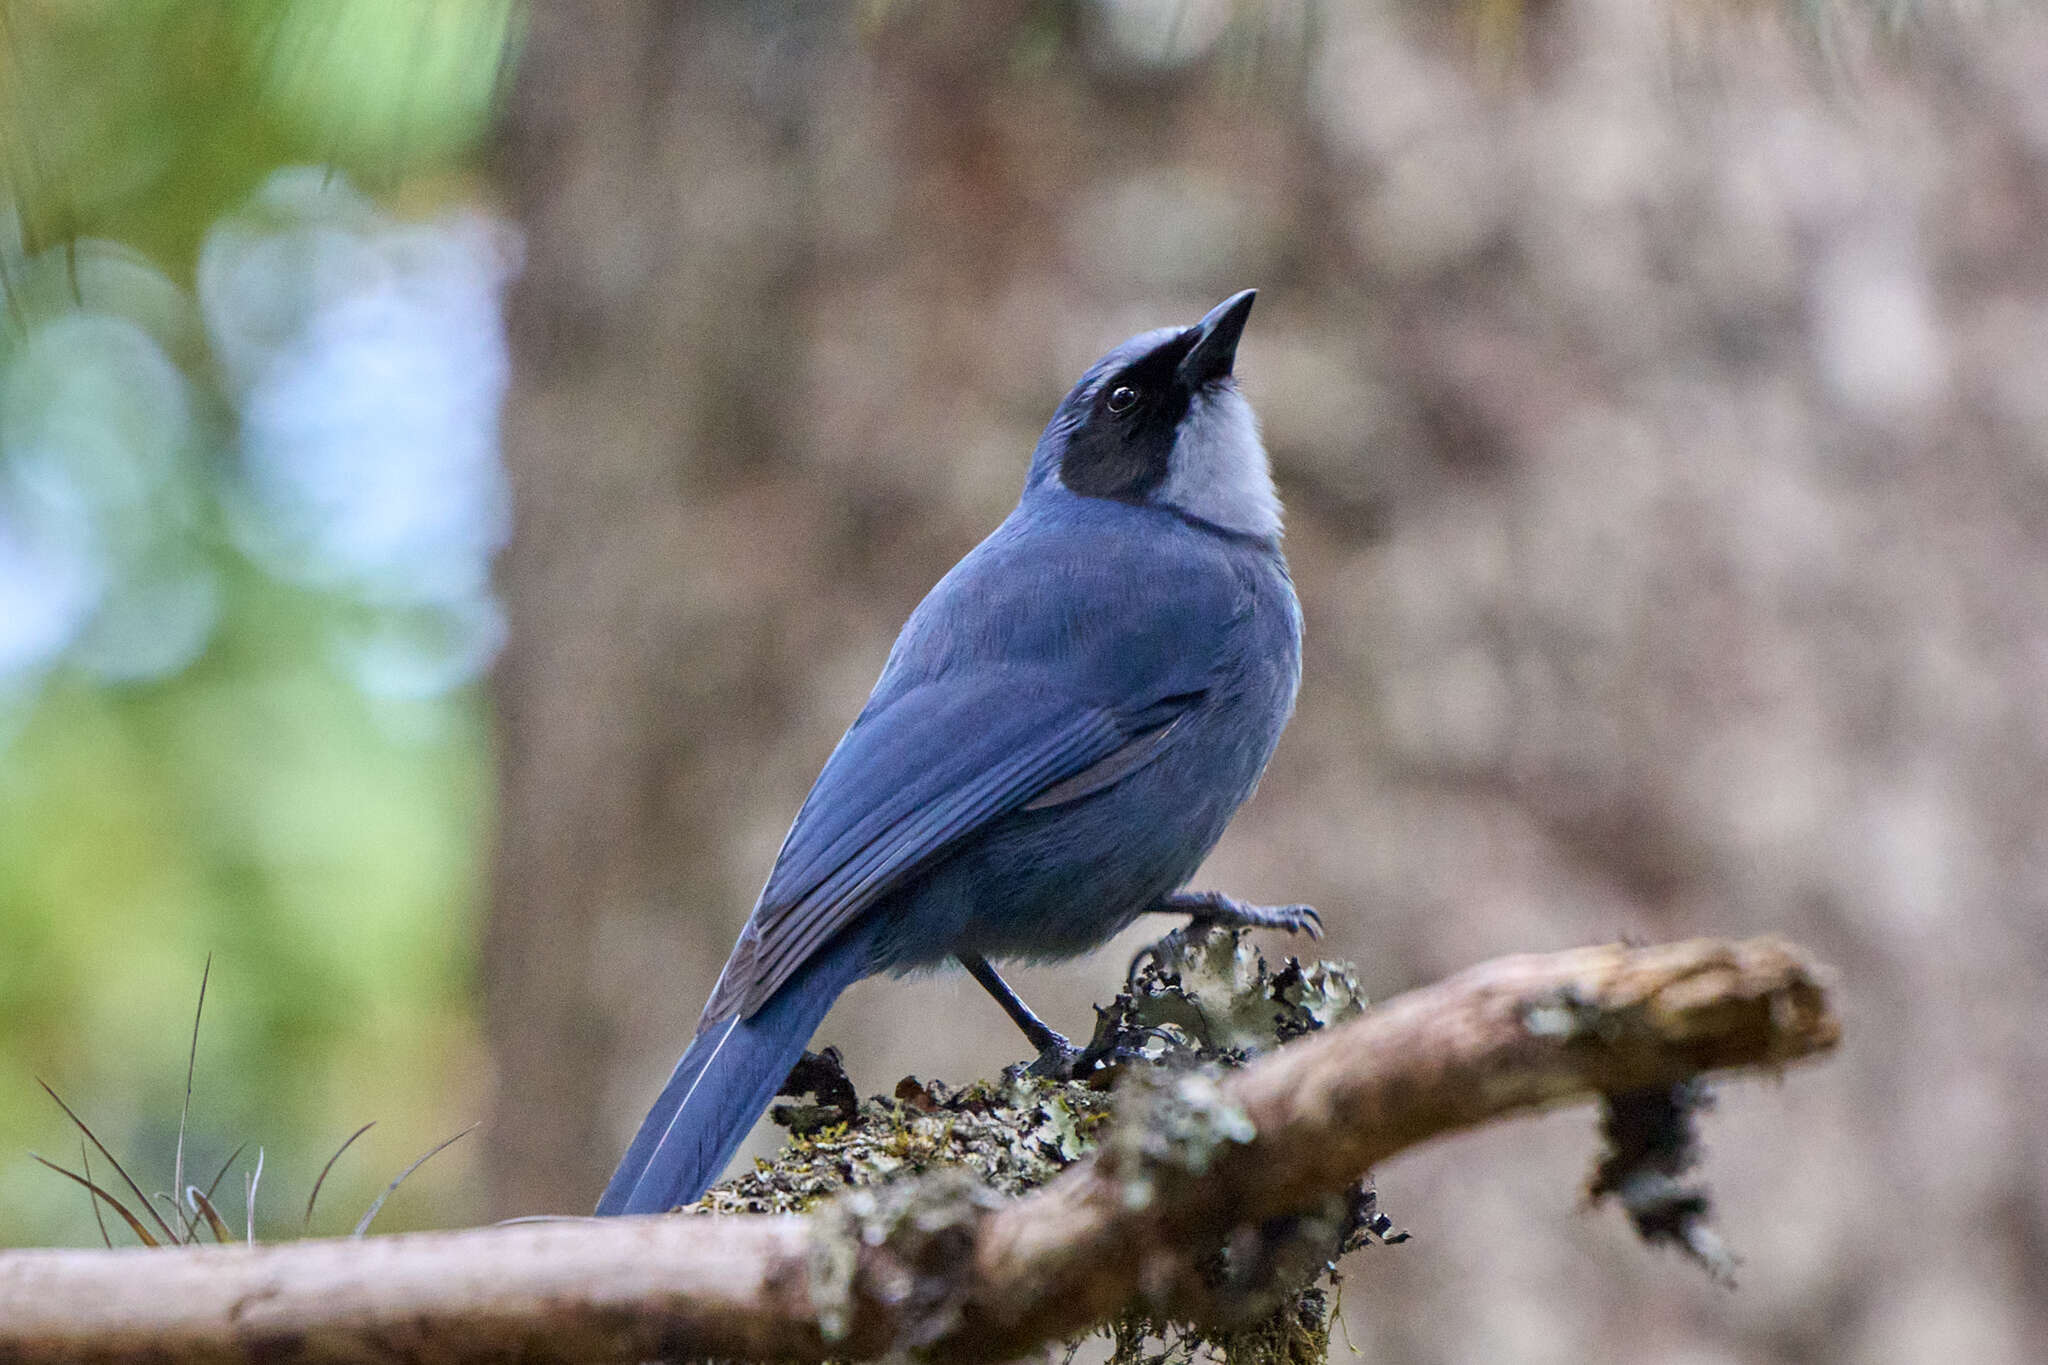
[
  {"x": 1213, "y": 908},
  {"x": 1294, "y": 919}
]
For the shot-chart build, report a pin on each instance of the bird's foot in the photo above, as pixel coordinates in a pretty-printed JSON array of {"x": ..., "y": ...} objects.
[
  {"x": 1118, "y": 1039},
  {"x": 1213, "y": 909},
  {"x": 1058, "y": 1059}
]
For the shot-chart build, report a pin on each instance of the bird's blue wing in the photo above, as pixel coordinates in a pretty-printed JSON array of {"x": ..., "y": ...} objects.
[
  {"x": 938, "y": 762},
  {"x": 1051, "y": 663}
]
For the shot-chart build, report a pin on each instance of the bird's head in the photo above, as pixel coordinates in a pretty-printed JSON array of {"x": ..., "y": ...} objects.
[{"x": 1159, "y": 421}]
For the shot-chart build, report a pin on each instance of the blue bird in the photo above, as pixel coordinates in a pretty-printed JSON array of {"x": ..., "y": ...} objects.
[{"x": 1061, "y": 732}]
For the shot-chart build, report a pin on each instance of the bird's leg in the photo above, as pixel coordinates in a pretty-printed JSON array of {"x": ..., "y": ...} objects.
[
  {"x": 1056, "y": 1056},
  {"x": 1214, "y": 910}
]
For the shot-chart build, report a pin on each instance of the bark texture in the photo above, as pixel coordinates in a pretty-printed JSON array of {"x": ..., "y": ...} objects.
[{"x": 649, "y": 169}]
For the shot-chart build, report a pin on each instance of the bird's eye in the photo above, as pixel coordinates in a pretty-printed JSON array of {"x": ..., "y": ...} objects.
[{"x": 1121, "y": 397}]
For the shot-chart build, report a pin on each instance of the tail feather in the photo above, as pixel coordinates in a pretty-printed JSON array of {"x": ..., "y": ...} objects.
[{"x": 721, "y": 1085}]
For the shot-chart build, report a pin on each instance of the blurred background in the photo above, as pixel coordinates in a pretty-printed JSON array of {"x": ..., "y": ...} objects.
[{"x": 462, "y": 465}]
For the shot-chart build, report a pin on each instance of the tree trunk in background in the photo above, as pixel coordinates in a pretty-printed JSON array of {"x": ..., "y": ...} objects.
[
  {"x": 636, "y": 338},
  {"x": 749, "y": 427},
  {"x": 1658, "y": 415}
]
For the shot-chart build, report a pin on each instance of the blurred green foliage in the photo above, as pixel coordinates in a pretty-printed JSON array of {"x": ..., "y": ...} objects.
[{"x": 189, "y": 762}]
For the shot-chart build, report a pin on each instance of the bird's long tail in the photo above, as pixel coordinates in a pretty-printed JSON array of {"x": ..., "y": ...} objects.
[{"x": 722, "y": 1084}]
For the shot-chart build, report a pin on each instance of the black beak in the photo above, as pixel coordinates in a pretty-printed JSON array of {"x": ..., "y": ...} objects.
[{"x": 1215, "y": 348}]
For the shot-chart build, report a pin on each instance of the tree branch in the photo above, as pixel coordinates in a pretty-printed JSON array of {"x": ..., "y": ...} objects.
[{"x": 926, "y": 1263}]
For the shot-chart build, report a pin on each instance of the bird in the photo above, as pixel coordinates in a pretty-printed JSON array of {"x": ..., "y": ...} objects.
[{"x": 1060, "y": 733}]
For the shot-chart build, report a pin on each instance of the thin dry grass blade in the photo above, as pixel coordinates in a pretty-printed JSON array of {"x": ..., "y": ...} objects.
[
  {"x": 350, "y": 1142},
  {"x": 443, "y": 1145},
  {"x": 119, "y": 1169},
  {"x": 190, "y": 1225},
  {"x": 85, "y": 1164},
  {"x": 254, "y": 1179},
  {"x": 134, "y": 1223},
  {"x": 197, "y": 1198},
  {"x": 185, "y": 1112},
  {"x": 221, "y": 1174}
]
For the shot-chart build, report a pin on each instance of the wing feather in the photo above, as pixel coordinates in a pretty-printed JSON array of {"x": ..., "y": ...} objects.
[
  {"x": 1050, "y": 664},
  {"x": 1105, "y": 773},
  {"x": 869, "y": 873},
  {"x": 922, "y": 780}
]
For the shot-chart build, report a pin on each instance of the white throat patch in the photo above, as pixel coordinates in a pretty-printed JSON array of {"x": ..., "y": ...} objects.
[{"x": 1219, "y": 471}]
